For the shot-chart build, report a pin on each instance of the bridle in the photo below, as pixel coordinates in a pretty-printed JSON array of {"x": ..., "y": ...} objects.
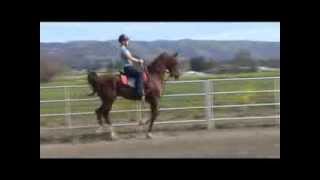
[{"x": 167, "y": 72}]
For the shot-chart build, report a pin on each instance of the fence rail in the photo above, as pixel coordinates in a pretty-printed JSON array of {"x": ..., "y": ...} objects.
[
  {"x": 163, "y": 109},
  {"x": 175, "y": 82},
  {"x": 209, "y": 105},
  {"x": 171, "y": 122}
]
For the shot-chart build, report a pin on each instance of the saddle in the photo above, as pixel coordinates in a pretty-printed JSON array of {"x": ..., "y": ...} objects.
[{"x": 130, "y": 81}]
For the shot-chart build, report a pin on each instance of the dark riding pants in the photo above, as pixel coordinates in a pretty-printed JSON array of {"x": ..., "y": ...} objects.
[{"x": 132, "y": 72}]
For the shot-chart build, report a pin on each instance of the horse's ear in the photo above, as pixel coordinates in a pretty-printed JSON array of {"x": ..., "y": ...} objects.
[{"x": 175, "y": 54}]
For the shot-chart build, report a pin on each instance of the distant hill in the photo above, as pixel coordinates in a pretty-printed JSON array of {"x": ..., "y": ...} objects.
[{"x": 79, "y": 52}]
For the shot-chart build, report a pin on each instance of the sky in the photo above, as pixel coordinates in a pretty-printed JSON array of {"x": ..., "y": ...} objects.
[{"x": 150, "y": 31}]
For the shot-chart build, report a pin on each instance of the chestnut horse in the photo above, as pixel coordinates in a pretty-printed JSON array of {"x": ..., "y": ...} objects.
[{"x": 109, "y": 87}]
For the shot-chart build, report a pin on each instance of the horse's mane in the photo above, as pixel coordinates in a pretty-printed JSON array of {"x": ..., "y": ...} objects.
[{"x": 155, "y": 65}]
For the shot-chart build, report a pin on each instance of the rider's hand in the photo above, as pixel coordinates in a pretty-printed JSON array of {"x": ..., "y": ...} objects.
[{"x": 141, "y": 61}]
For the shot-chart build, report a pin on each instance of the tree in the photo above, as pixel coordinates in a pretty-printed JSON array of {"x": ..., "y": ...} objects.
[
  {"x": 94, "y": 65},
  {"x": 49, "y": 67},
  {"x": 273, "y": 63},
  {"x": 212, "y": 63},
  {"x": 201, "y": 64},
  {"x": 184, "y": 65},
  {"x": 243, "y": 59}
]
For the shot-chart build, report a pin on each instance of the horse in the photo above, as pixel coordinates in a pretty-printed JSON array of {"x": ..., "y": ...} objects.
[{"x": 109, "y": 87}]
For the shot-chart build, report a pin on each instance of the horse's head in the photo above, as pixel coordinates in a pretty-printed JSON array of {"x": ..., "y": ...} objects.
[
  {"x": 172, "y": 65},
  {"x": 165, "y": 63}
]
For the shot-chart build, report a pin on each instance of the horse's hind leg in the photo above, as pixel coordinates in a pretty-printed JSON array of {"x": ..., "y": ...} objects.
[
  {"x": 106, "y": 113},
  {"x": 99, "y": 118}
]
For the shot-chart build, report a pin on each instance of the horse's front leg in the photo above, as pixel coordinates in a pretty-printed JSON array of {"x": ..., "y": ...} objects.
[
  {"x": 141, "y": 122},
  {"x": 154, "y": 105},
  {"x": 91, "y": 94}
]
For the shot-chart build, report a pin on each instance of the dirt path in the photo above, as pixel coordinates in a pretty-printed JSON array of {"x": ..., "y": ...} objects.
[{"x": 226, "y": 143}]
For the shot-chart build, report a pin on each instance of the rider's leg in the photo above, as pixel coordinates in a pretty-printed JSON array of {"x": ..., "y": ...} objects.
[
  {"x": 131, "y": 71},
  {"x": 139, "y": 84}
]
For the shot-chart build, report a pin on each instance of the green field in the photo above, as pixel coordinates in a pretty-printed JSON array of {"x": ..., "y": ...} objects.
[{"x": 166, "y": 102}]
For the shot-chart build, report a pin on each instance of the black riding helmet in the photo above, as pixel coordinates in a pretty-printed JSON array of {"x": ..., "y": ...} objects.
[{"x": 123, "y": 37}]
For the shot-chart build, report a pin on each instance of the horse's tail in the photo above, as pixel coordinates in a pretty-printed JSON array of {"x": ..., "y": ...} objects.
[{"x": 92, "y": 80}]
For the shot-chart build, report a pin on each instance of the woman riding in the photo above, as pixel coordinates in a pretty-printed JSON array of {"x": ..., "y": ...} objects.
[{"x": 128, "y": 62}]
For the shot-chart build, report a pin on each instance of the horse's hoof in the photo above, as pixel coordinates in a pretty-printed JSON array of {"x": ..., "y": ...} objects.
[
  {"x": 141, "y": 123},
  {"x": 100, "y": 130},
  {"x": 114, "y": 136},
  {"x": 145, "y": 122},
  {"x": 149, "y": 136}
]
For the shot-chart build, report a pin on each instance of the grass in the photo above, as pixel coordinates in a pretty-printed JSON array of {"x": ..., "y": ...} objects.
[{"x": 166, "y": 102}]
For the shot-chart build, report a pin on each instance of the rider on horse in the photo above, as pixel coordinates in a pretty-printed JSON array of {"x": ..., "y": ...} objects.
[{"x": 128, "y": 65}]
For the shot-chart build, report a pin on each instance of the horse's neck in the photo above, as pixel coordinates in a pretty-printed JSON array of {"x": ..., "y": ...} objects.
[
  {"x": 157, "y": 71},
  {"x": 158, "y": 76},
  {"x": 158, "y": 80}
]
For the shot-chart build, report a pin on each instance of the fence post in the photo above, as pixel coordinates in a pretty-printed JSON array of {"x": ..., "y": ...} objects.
[
  {"x": 208, "y": 104},
  {"x": 213, "y": 123},
  {"x": 277, "y": 98},
  {"x": 139, "y": 111},
  {"x": 67, "y": 112}
]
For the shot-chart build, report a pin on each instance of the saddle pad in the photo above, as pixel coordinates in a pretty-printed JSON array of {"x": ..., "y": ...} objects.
[{"x": 125, "y": 80}]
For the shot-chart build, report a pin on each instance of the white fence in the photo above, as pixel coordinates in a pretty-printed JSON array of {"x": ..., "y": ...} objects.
[{"x": 208, "y": 107}]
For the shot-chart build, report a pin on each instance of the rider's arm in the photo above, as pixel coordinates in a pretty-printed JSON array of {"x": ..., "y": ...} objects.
[{"x": 130, "y": 57}]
